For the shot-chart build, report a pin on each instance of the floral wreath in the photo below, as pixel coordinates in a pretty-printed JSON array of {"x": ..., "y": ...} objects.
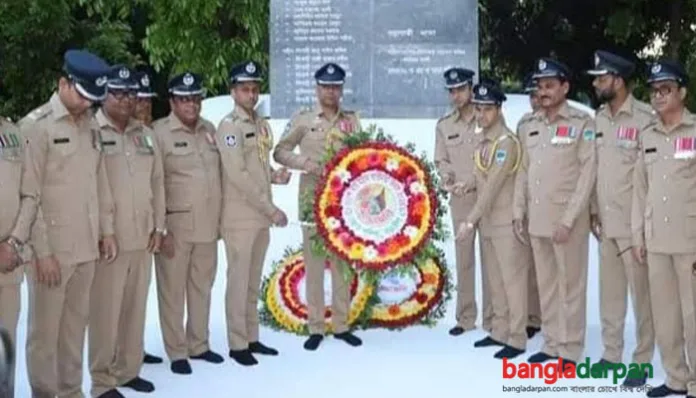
[
  {"x": 375, "y": 205},
  {"x": 282, "y": 295},
  {"x": 413, "y": 294}
]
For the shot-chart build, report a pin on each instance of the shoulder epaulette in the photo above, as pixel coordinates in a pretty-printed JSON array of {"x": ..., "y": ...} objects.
[
  {"x": 447, "y": 115},
  {"x": 643, "y": 107},
  {"x": 39, "y": 113},
  {"x": 578, "y": 114}
]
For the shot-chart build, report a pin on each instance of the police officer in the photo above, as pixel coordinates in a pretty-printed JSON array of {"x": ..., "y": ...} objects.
[
  {"x": 119, "y": 290},
  {"x": 66, "y": 189},
  {"x": 187, "y": 262},
  {"x": 315, "y": 130},
  {"x": 456, "y": 139},
  {"x": 143, "y": 112},
  {"x": 552, "y": 205},
  {"x": 664, "y": 224},
  {"x": 533, "y": 306},
  {"x": 14, "y": 234},
  {"x": 619, "y": 121},
  {"x": 497, "y": 159},
  {"x": 245, "y": 140}
]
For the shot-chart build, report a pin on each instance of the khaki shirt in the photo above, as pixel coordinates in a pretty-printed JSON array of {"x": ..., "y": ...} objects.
[
  {"x": 558, "y": 169},
  {"x": 134, "y": 166},
  {"x": 617, "y": 151},
  {"x": 12, "y": 147},
  {"x": 245, "y": 143},
  {"x": 522, "y": 129},
  {"x": 455, "y": 144},
  {"x": 192, "y": 181},
  {"x": 664, "y": 188},
  {"x": 65, "y": 186},
  {"x": 498, "y": 155},
  {"x": 313, "y": 133}
]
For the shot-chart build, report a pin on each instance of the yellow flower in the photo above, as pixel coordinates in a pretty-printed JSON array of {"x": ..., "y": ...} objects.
[{"x": 356, "y": 251}]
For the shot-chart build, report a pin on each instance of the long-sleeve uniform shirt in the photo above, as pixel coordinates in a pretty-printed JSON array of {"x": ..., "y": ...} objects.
[{"x": 134, "y": 166}]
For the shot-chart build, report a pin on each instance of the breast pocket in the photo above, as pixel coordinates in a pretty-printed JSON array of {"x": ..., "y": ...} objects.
[
  {"x": 181, "y": 157},
  {"x": 60, "y": 234}
]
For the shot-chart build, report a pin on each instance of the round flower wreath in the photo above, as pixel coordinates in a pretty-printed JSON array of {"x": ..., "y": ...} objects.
[
  {"x": 409, "y": 295},
  {"x": 283, "y": 306},
  {"x": 375, "y": 205}
]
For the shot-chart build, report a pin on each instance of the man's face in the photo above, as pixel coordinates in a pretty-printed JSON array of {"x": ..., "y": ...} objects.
[
  {"x": 666, "y": 96},
  {"x": 186, "y": 108},
  {"x": 534, "y": 101},
  {"x": 143, "y": 110},
  {"x": 552, "y": 92},
  {"x": 605, "y": 87},
  {"x": 487, "y": 115},
  {"x": 460, "y": 96},
  {"x": 71, "y": 98},
  {"x": 246, "y": 94},
  {"x": 329, "y": 95},
  {"x": 119, "y": 104}
]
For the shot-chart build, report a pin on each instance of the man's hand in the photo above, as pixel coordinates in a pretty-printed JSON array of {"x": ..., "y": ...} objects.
[
  {"x": 519, "y": 228},
  {"x": 457, "y": 188},
  {"x": 596, "y": 226},
  {"x": 281, "y": 176},
  {"x": 561, "y": 234},
  {"x": 312, "y": 167},
  {"x": 155, "y": 243},
  {"x": 279, "y": 218},
  {"x": 639, "y": 254},
  {"x": 167, "y": 246},
  {"x": 109, "y": 248},
  {"x": 48, "y": 271},
  {"x": 465, "y": 230},
  {"x": 9, "y": 258}
]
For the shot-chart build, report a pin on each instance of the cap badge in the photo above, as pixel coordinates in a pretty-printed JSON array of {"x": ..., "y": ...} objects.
[
  {"x": 124, "y": 73},
  {"x": 250, "y": 68},
  {"x": 101, "y": 81},
  {"x": 188, "y": 79},
  {"x": 145, "y": 81},
  {"x": 656, "y": 68},
  {"x": 482, "y": 90},
  {"x": 542, "y": 64},
  {"x": 596, "y": 60},
  {"x": 330, "y": 70},
  {"x": 453, "y": 75}
]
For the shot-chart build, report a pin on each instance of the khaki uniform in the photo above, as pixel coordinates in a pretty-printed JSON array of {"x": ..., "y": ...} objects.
[
  {"x": 119, "y": 291},
  {"x": 245, "y": 143},
  {"x": 12, "y": 149},
  {"x": 191, "y": 163},
  {"x": 533, "y": 305},
  {"x": 664, "y": 221},
  {"x": 312, "y": 132},
  {"x": 553, "y": 188},
  {"x": 455, "y": 143},
  {"x": 66, "y": 188},
  {"x": 498, "y": 157},
  {"x": 617, "y": 150}
]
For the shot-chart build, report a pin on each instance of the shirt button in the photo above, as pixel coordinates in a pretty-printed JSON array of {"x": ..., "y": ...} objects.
[
  {"x": 537, "y": 182},
  {"x": 664, "y": 177},
  {"x": 666, "y": 157},
  {"x": 666, "y": 219},
  {"x": 543, "y": 145},
  {"x": 664, "y": 198},
  {"x": 538, "y": 161},
  {"x": 127, "y": 153},
  {"x": 536, "y": 201},
  {"x": 606, "y": 208},
  {"x": 666, "y": 139}
]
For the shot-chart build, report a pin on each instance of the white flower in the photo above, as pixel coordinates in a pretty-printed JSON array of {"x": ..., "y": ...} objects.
[
  {"x": 344, "y": 175},
  {"x": 411, "y": 231},
  {"x": 370, "y": 253},
  {"x": 417, "y": 187},
  {"x": 333, "y": 223},
  {"x": 392, "y": 164}
]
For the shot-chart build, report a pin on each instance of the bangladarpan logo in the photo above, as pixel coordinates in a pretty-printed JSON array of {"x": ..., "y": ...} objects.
[{"x": 551, "y": 372}]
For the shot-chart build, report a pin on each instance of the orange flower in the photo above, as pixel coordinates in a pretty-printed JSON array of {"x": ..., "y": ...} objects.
[
  {"x": 418, "y": 208},
  {"x": 429, "y": 278},
  {"x": 394, "y": 310}
]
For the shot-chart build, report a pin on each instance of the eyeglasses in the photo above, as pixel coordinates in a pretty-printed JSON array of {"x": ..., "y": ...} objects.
[
  {"x": 121, "y": 94},
  {"x": 662, "y": 91},
  {"x": 196, "y": 99}
]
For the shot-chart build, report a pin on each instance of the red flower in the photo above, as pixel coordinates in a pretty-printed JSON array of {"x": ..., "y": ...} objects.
[
  {"x": 421, "y": 298},
  {"x": 336, "y": 183},
  {"x": 414, "y": 219},
  {"x": 402, "y": 240},
  {"x": 327, "y": 313},
  {"x": 373, "y": 159},
  {"x": 333, "y": 211},
  {"x": 394, "y": 310},
  {"x": 383, "y": 249},
  {"x": 346, "y": 239}
]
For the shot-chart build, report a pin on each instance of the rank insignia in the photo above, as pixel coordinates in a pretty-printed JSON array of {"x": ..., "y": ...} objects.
[
  {"x": 685, "y": 148},
  {"x": 564, "y": 135},
  {"x": 500, "y": 156}
]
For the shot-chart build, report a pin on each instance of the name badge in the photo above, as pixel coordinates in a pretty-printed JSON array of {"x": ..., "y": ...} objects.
[
  {"x": 627, "y": 137},
  {"x": 685, "y": 148},
  {"x": 564, "y": 135}
]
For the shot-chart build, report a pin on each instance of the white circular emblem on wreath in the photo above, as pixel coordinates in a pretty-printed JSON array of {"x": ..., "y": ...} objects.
[
  {"x": 396, "y": 288},
  {"x": 188, "y": 79},
  {"x": 375, "y": 206}
]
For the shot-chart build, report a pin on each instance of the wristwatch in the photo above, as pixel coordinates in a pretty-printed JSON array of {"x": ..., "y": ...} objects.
[{"x": 161, "y": 231}]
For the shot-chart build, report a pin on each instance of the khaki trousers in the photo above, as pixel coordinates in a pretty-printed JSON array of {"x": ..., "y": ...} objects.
[
  {"x": 507, "y": 281},
  {"x": 562, "y": 279},
  {"x": 117, "y": 319},
  {"x": 533, "y": 305},
  {"x": 10, "y": 305},
  {"x": 246, "y": 251},
  {"x": 58, "y": 319},
  {"x": 672, "y": 294},
  {"x": 617, "y": 276},
  {"x": 340, "y": 295},
  {"x": 186, "y": 281},
  {"x": 467, "y": 310}
]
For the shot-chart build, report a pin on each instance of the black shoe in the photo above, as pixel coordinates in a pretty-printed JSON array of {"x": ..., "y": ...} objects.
[
  {"x": 209, "y": 356},
  {"x": 635, "y": 381},
  {"x": 456, "y": 331},
  {"x": 540, "y": 357},
  {"x": 258, "y": 348},
  {"x": 151, "y": 359},
  {"x": 349, "y": 338},
  {"x": 607, "y": 364},
  {"x": 243, "y": 357},
  {"x": 664, "y": 391},
  {"x": 313, "y": 342},
  {"x": 181, "y": 366},
  {"x": 140, "y": 385},
  {"x": 531, "y": 331},
  {"x": 508, "y": 352},
  {"x": 113, "y": 393},
  {"x": 488, "y": 342}
]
